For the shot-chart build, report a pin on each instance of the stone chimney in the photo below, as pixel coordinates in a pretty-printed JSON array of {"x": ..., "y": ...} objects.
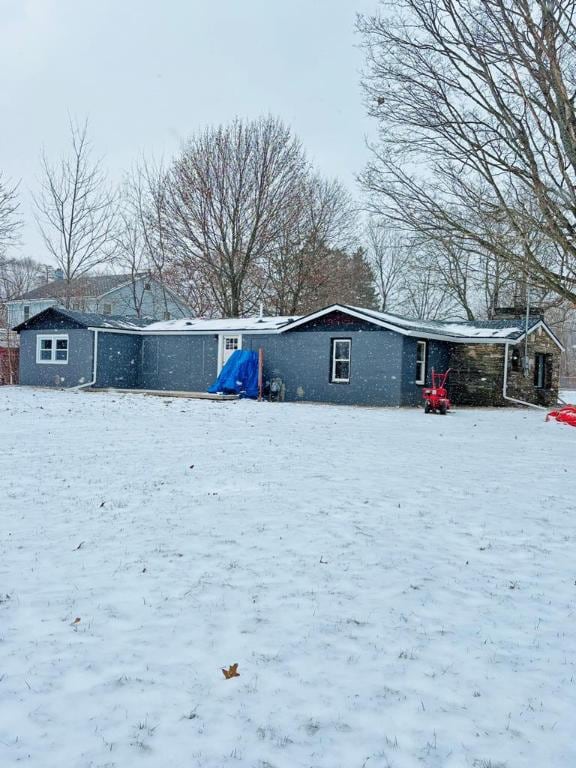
[{"x": 516, "y": 313}]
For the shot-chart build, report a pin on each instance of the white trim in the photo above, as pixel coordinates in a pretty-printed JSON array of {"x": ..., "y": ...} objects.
[
  {"x": 144, "y": 332},
  {"x": 53, "y": 337},
  {"x": 546, "y": 330},
  {"x": 334, "y": 341},
  {"x": 421, "y": 379},
  {"x": 419, "y": 333}
]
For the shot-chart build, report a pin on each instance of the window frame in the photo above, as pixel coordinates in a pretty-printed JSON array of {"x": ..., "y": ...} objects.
[
  {"x": 26, "y": 312},
  {"x": 334, "y": 360},
  {"x": 421, "y": 344},
  {"x": 54, "y": 338},
  {"x": 543, "y": 371}
]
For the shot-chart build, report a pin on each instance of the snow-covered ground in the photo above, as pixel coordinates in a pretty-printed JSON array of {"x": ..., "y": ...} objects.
[{"x": 397, "y": 589}]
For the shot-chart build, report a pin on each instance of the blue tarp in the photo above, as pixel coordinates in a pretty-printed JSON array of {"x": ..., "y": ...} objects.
[{"x": 239, "y": 376}]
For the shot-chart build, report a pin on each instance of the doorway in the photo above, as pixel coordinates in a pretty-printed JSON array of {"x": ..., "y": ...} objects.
[{"x": 229, "y": 343}]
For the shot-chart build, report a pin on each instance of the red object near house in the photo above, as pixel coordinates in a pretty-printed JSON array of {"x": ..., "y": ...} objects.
[
  {"x": 566, "y": 415},
  {"x": 8, "y": 365},
  {"x": 436, "y": 397}
]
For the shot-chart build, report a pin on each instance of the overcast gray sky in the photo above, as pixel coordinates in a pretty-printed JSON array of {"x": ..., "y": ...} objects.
[{"x": 148, "y": 73}]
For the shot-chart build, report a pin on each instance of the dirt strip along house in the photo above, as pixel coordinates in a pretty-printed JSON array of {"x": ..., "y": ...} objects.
[{"x": 340, "y": 354}]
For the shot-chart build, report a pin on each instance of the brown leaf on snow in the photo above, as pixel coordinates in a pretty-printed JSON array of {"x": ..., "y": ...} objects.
[
  {"x": 232, "y": 671},
  {"x": 76, "y": 621}
]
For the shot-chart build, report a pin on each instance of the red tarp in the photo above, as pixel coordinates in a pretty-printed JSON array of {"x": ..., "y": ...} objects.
[{"x": 566, "y": 415}]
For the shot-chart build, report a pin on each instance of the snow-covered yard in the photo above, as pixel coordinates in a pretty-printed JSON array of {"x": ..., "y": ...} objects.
[{"x": 397, "y": 589}]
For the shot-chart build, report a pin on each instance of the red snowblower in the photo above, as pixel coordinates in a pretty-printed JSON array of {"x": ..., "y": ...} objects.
[
  {"x": 566, "y": 415},
  {"x": 436, "y": 397}
]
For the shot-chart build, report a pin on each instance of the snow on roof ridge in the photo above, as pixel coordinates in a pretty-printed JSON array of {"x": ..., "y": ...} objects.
[
  {"x": 223, "y": 323},
  {"x": 465, "y": 328}
]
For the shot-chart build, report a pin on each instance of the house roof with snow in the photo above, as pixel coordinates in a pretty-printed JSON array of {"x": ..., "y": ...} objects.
[
  {"x": 235, "y": 324},
  {"x": 84, "y": 320},
  {"x": 483, "y": 331},
  {"x": 499, "y": 331}
]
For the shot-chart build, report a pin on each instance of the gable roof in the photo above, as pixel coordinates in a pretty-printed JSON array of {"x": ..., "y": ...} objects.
[
  {"x": 504, "y": 331},
  {"x": 84, "y": 320},
  {"x": 88, "y": 286},
  {"x": 500, "y": 331}
]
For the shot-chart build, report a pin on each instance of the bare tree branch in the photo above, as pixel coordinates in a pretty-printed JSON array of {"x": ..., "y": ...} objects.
[
  {"x": 475, "y": 104},
  {"x": 76, "y": 210}
]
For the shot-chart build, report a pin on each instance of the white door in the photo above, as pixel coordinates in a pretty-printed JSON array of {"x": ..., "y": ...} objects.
[{"x": 229, "y": 345}]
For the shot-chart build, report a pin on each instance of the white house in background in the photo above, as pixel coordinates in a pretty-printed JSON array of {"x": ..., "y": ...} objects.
[{"x": 143, "y": 296}]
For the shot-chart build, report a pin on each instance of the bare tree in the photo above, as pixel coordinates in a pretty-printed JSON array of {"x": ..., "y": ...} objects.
[
  {"x": 17, "y": 276},
  {"x": 76, "y": 210},
  {"x": 475, "y": 105},
  {"x": 9, "y": 221},
  {"x": 301, "y": 264},
  {"x": 389, "y": 256},
  {"x": 224, "y": 204}
]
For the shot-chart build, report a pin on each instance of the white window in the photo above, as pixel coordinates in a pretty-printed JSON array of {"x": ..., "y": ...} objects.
[
  {"x": 420, "y": 362},
  {"x": 52, "y": 349},
  {"x": 106, "y": 309},
  {"x": 341, "y": 355},
  {"x": 26, "y": 312}
]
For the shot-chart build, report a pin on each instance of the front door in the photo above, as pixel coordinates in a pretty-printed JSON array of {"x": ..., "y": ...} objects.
[{"x": 229, "y": 345}]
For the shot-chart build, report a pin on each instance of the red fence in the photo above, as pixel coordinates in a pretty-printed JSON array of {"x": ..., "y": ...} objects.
[{"x": 8, "y": 365}]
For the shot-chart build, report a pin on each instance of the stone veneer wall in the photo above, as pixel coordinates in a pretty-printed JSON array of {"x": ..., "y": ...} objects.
[
  {"x": 478, "y": 373},
  {"x": 521, "y": 386}
]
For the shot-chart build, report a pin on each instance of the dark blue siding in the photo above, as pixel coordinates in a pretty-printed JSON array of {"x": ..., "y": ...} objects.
[
  {"x": 303, "y": 359},
  {"x": 118, "y": 360},
  {"x": 187, "y": 363},
  {"x": 383, "y": 362},
  {"x": 437, "y": 357},
  {"x": 77, "y": 371}
]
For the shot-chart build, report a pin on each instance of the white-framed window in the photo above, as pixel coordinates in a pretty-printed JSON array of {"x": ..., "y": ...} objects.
[
  {"x": 52, "y": 349},
  {"x": 231, "y": 343},
  {"x": 341, "y": 359},
  {"x": 106, "y": 309},
  {"x": 420, "y": 362},
  {"x": 26, "y": 312}
]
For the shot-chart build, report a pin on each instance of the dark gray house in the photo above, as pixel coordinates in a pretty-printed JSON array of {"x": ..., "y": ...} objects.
[{"x": 340, "y": 354}]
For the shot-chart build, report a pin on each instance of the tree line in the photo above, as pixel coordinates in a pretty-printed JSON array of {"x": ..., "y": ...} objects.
[
  {"x": 468, "y": 200},
  {"x": 238, "y": 219}
]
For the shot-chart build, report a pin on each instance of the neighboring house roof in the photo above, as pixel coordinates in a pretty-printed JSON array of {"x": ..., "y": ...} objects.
[
  {"x": 89, "y": 286},
  {"x": 486, "y": 331},
  {"x": 86, "y": 320},
  {"x": 235, "y": 324}
]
